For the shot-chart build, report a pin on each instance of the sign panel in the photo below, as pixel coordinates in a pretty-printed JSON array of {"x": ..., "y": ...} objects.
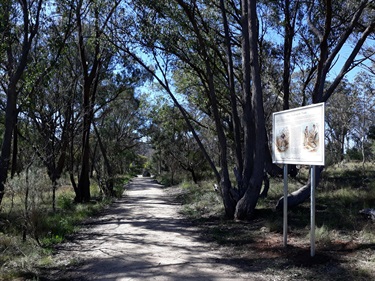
[{"x": 298, "y": 136}]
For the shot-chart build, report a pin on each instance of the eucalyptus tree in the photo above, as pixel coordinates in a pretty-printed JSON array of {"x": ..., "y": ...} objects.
[
  {"x": 137, "y": 32},
  {"x": 229, "y": 89},
  {"x": 51, "y": 114},
  {"x": 198, "y": 47},
  {"x": 47, "y": 128},
  {"x": 186, "y": 53},
  {"x": 280, "y": 22},
  {"x": 20, "y": 21},
  {"x": 45, "y": 101},
  {"x": 332, "y": 26},
  {"x": 95, "y": 56}
]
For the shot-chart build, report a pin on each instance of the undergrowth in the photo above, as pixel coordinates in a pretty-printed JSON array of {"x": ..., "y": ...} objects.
[
  {"x": 200, "y": 200},
  {"x": 29, "y": 228},
  {"x": 344, "y": 237},
  {"x": 342, "y": 193}
]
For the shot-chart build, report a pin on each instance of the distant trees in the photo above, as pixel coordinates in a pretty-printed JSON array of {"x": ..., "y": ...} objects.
[
  {"x": 364, "y": 118},
  {"x": 339, "y": 122},
  {"x": 95, "y": 57},
  {"x": 349, "y": 125},
  {"x": 59, "y": 76},
  {"x": 175, "y": 149},
  {"x": 118, "y": 130}
]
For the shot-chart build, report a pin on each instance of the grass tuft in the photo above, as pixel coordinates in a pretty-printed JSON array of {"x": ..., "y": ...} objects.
[
  {"x": 199, "y": 200},
  {"x": 323, "y": 236}
]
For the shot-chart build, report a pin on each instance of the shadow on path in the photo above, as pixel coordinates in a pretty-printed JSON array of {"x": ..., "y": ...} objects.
[{"x": 142, "y": 237}]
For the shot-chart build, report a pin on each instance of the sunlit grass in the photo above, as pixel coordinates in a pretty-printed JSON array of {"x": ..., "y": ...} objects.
[
  {"x": 200, "y": 200},
  {"x": 323, "y": 236},
  {"x": 338, "y": 203}
]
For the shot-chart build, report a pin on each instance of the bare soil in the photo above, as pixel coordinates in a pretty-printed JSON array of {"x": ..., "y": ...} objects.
[{"x": 142, "y": 236}]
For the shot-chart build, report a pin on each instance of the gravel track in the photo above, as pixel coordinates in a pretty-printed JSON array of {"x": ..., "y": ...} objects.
[{"x": 143, "y": 237}]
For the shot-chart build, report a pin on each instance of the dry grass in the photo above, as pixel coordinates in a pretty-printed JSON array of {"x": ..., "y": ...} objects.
[
  {"x": 27, "y": 235},
  {"x": 345, "y": 240}
]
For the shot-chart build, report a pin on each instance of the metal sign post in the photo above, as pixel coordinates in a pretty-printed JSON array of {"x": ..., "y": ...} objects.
[
  {"x": 312, "y": 213},
  {"x": 298, "y": 138},
  {"x": 285, "y": 224}
]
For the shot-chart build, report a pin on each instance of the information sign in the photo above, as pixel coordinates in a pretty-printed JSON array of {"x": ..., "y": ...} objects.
[{"x": 298, "y": 136}]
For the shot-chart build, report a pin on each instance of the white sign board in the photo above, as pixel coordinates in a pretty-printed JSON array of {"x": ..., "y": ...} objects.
[{"x": 298, "y": 136}]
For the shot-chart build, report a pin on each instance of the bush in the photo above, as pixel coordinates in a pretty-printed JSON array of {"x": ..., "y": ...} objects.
[
  {"x": 353, "y": 154},
  {"x": 200, "y": 200}
]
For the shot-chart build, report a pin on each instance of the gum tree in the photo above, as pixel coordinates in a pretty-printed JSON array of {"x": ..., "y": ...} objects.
[
  {"x": 20, "y": 22},
  {"x": 95, "y": 56}
]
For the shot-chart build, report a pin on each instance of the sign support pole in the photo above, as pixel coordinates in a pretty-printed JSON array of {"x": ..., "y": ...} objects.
[
  {"x": 312, "y": 209},
  {"x": 298, "y": 138},
  {"x": 285, "y": 224}
]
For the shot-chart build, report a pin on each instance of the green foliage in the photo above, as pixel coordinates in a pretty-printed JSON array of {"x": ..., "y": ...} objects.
[
  {"x": 119, "y": 184},
  {"x": 65, "y": 201},
  {"x": 55, "y": 227},
  {"x": 323, "y": 236},
  {"x": 353, "y": 154},
  {"x": 199, "y": 200},
  {"x": 165, "y": 180},
  {"x": 42, "y": 227},
  {"x": 176, "y": 153},
  {"x": 371, "y": 132},
  {"x": 138, "y": 164}
]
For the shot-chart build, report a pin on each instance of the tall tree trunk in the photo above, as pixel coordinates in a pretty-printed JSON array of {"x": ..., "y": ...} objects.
[
  {"x": 233, "y": 99},
  {"x": 71, "y": 165},
  {"x": 84, "y": 177},
  {"x": 15, "y": 150},
  {"x": 193, "y": 175},
  {"x": 247, "y": 107},
  {"x": 289, "y": 23},
  {"x": 54, "y": 188},
  {"x": 10, "y": 120},
  {"x": 247, "y": 203},
  {"x": 109, "y": 178},
  {"x": 26, "y": 204},
  {"x": 90, "y": 83}
]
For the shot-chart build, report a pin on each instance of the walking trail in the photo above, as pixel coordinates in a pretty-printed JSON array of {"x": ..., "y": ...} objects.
[{"x": 142, "y": 237}]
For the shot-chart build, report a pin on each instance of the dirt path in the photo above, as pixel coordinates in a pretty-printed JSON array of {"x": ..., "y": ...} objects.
[{"x": 142, "y": 237}]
